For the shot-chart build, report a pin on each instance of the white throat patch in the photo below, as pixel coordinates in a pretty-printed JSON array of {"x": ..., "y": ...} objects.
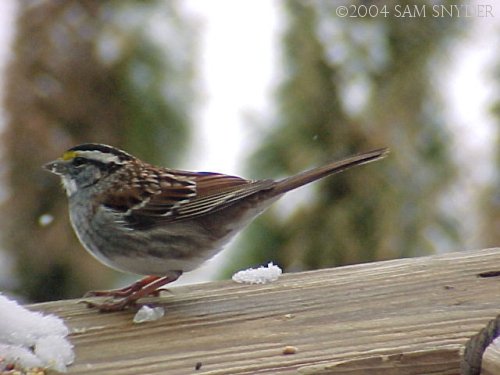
[{"x": 69, "y": 185}]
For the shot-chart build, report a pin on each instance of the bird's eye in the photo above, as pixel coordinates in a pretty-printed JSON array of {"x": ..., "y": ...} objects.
[{"x": 78, "y": 161}]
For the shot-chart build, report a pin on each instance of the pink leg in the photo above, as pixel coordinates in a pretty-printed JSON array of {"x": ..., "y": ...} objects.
[
  {"x": 130, "y": 299},
  {"x": 123, "y": 292}
]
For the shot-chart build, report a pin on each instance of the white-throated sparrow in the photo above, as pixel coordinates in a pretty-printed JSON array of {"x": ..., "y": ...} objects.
[{"x": 139, "y": 218}]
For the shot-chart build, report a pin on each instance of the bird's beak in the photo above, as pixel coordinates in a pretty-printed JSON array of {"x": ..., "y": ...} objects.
[{"x": 57, "y": 166}]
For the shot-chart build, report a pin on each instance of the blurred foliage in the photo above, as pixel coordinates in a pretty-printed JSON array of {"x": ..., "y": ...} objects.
[
  {"x": 351, "y": 85},
  {"x": 490, "y": 197},
  {"x": 105, "y": 71},
  {"x": 85, "y": 71}
]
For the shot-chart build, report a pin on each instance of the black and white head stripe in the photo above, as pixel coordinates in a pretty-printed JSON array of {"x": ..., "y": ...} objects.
[{"x": 98, "y": 153}]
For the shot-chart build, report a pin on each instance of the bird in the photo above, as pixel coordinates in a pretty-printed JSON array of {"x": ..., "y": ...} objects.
[{"x": 159, "y": 222}]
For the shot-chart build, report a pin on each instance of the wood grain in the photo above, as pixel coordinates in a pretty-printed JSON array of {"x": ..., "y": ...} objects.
[
  {"x": 491, "y": 360},
  {"x": 408, "y": 316}
]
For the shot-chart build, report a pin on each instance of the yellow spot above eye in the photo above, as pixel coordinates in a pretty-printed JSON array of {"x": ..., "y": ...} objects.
[{"x": 69, "y": 155}]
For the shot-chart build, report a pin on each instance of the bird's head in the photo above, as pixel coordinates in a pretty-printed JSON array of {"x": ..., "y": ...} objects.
[{"x": 84, "y": 165}]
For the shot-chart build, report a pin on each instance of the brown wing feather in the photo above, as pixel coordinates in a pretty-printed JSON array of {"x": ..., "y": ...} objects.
[
  {"x": 180, "y": 195},
  {"x": 148, "y": 190},
  {"x": 218, "y": 191}
]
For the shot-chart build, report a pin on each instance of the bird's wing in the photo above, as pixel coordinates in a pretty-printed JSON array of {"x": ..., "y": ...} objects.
[{"x": 180, "y": 195}]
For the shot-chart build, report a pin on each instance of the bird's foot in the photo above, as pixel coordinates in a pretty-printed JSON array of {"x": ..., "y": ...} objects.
[
  {"x": 148, "y": 286},
  {"x": 126, "y": 291},
  {"x": 110, "y": 306}
]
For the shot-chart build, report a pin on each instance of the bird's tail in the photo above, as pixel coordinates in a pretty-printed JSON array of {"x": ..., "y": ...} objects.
[{"x": 306, "y": 177}]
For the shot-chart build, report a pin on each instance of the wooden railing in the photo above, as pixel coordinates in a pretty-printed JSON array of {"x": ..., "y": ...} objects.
[{"x": 407, "y": 316}]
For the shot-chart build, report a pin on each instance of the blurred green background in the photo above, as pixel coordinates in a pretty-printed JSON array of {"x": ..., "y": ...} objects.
[{"x": 127, "y": 73}]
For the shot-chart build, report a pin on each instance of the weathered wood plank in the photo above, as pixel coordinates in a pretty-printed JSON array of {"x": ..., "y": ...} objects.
[
  {"x": 491, "y": 360},
  {"x": 408, "y": 316}
]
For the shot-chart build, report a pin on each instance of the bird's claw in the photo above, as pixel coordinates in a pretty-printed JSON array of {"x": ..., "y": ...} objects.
[{"x": 110, "y": 306}]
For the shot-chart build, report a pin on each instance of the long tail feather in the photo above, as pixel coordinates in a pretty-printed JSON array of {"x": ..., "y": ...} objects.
[{"x": 306, "y": 177}]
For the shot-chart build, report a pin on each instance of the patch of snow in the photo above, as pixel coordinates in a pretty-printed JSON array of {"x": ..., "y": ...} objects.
[
  {"x": 261, "y": 275},
  {"x": 30, "y": 339},
  {"x": 148, "y": 314}
]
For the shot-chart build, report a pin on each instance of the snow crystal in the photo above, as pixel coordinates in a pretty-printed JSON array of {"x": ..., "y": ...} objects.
[
  {"x": 148, "y": 314},
  {"x": 19, "y": 354},
  {"x": 261, "y": 275},
  {"x": 31, "y": 339}
]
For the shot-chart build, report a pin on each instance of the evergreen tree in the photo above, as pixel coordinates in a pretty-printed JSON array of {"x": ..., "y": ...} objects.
[{"x": 352, "y": 85}]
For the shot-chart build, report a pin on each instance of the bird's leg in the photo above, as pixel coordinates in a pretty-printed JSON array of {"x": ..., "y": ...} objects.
[
  {"x": 130, "y": 300},
  {"x": 126, "y": 291}
]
